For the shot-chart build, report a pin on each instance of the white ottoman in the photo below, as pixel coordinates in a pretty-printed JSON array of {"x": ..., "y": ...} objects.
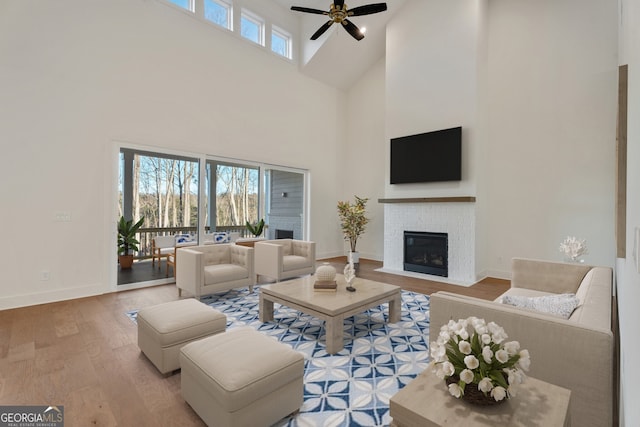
[
  {"x": 241, "y": 378},
  {"x": 163, "y": 329}
]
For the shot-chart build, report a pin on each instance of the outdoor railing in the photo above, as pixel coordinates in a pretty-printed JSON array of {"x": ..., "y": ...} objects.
[{"x": 146, "y": 235}]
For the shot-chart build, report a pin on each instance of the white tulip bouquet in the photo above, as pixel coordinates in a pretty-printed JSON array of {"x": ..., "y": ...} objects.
[{"x": 471, "y": 351}]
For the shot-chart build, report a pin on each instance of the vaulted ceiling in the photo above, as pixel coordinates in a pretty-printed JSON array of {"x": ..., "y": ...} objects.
[{"x": 336, "y": 58}]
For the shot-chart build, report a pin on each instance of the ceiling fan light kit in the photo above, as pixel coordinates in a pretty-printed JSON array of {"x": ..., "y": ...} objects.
[{"x": 339, "y": 13}]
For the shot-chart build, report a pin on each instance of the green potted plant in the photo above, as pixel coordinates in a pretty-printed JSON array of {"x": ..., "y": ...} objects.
[
  {"x": 256, "y": 229},
  {"x": 353, "y": 222},
  {"x": 127, "y": 241}
]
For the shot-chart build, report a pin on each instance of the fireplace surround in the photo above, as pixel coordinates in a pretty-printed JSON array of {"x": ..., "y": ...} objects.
[
  {"x": 455, "y": 216},
  {"x": 426, "y": 252}
]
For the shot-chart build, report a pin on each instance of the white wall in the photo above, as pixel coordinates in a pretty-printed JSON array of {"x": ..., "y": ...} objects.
[
  {"x": 81, "y": 75},
  {"x": 435, "y": 60},
  {"x": 628, "y": 276},
  {"x": 431, "y": 71},
  {"x": 77, "y": 76},
  {"x": 534, "y": 85},
  {"x": 551, "y": 103},
  {"x": 363, "y": 157}
]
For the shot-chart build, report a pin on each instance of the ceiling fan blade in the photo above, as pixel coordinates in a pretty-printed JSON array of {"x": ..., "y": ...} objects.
[
  {"x": 352, "y": 29},
  {"x": 309, "y": 10},
  {"x": 321, "y": 30},
  {"x": 338, "y": 4},
  {"x": 367, "y": 9}
]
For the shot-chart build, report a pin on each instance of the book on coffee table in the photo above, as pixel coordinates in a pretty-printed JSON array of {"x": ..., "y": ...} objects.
[{"x": 321, "y": 285}]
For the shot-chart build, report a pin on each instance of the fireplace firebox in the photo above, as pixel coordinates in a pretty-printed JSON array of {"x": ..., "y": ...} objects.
[
  {"x": 284, "y": 234},
  {"x": 426, "y": 252}
]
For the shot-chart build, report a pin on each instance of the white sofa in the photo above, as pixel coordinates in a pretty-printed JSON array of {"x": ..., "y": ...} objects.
[
  {"x": 577, "y": 353},
  {"x": 210, "y": 269},
  {"x": 285, "y": 258}
]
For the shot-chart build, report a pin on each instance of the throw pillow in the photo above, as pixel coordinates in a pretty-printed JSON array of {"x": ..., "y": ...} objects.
[
  {"x": 559, "y": 305},
  {"x": 184, "y": 238},
  {"x": 221, "y": 237}
]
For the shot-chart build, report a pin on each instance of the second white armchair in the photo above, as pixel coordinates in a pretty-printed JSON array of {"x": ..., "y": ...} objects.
[
  {"x": 214, "y": 268},
  {"x": 285, "y": 258}
]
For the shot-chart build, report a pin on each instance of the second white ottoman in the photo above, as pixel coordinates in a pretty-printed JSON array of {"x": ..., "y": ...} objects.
[
  {"x": 241, "y": 378},
  {"x": 164, "y": 328}
]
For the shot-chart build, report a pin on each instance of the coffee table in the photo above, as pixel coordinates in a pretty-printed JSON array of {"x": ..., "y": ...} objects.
[
  {"x": 426, "y": 402},
  {"x": 332, "y": 307}
]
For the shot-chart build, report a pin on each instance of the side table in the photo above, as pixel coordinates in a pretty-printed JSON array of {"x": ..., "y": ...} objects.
[
  {"x": 426, "y": 402},
  {"x": 248, "y": 241}
]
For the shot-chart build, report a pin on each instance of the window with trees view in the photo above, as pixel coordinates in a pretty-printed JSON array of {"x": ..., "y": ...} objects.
[
  {"x": 237, "y": 194},
  {"x": 161, "y": 188},
  {"x": 177, "y": 194},
  {"x": 164, "y": 190}
]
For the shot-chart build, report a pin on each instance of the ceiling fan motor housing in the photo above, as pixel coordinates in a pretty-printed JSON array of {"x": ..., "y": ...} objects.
[{"x": 338, "y": 14}]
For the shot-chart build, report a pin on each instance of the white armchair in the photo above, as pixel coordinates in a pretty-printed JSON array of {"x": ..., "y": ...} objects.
[
  {"x": 285, "y": 258},
  {"x": 214, "y": 268}
]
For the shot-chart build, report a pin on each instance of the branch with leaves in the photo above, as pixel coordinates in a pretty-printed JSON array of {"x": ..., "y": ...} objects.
[{"x": 353, "y": 220}]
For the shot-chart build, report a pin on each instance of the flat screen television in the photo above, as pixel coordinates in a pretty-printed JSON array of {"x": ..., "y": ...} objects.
[{"x": 427, "y": 157}]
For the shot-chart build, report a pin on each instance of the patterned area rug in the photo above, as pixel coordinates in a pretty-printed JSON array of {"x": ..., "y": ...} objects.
[{"x": 352, "y": 387}]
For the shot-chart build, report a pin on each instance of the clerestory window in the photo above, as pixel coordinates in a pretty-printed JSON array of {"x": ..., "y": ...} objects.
[
  {"x": 185, "y": 4},
  {"x": 218, "y": 12},
  {"x": 252, "y": 27},
  {"x": 280, "y": 42}
]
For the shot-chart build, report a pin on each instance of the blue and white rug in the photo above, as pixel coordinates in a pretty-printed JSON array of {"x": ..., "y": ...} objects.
[{"x": 352, "y": 387}]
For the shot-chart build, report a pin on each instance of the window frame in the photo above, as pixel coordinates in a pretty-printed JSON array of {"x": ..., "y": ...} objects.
[
  {"x": 286, "y": 36},
  {"x": 191, "y": 5},
  {"x": 254, "y": 19},
  {"x": 224, "y": 4}
]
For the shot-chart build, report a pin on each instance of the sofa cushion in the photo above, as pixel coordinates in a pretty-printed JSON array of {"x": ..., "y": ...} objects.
[
  {"x": 595, "y": 297},
  {"x": 561, "y": 305},
  {"x": 167, "y": 251},
  {"x": 286, "y": 247},
  {"x": 219, "y": 273},
  {"x": 216, "y": 255},
  {"x": 300, "y": 248},
  {"x": 547, "y": 276},
  {"x": 294, "y": 262}
]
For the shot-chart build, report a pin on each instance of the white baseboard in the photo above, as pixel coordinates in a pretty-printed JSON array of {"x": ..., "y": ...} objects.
[
  {"x": 425, "y": 277},
  {"x": 56, "y": 295},
  {"x": 326, "y": 255},
  {"x": 499, "y": 274}
]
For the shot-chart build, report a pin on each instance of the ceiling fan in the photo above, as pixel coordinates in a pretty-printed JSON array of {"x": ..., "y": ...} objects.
[{"x": 338, "y": 13}]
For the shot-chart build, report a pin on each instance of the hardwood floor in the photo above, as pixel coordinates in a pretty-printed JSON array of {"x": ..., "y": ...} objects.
[{"x": 83, "y": 354}]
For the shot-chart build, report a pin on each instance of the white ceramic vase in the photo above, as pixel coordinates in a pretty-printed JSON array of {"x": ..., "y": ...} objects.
[{"x": 325, "y": 273}]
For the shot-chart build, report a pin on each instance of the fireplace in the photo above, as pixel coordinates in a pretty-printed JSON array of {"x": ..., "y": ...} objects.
[
  {"x": 284, "y": 234},
  {"x": 426, "y": 252}
]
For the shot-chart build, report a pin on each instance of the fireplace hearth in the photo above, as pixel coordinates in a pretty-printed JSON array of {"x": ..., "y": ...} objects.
[{"x": 426, "y": 252}]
